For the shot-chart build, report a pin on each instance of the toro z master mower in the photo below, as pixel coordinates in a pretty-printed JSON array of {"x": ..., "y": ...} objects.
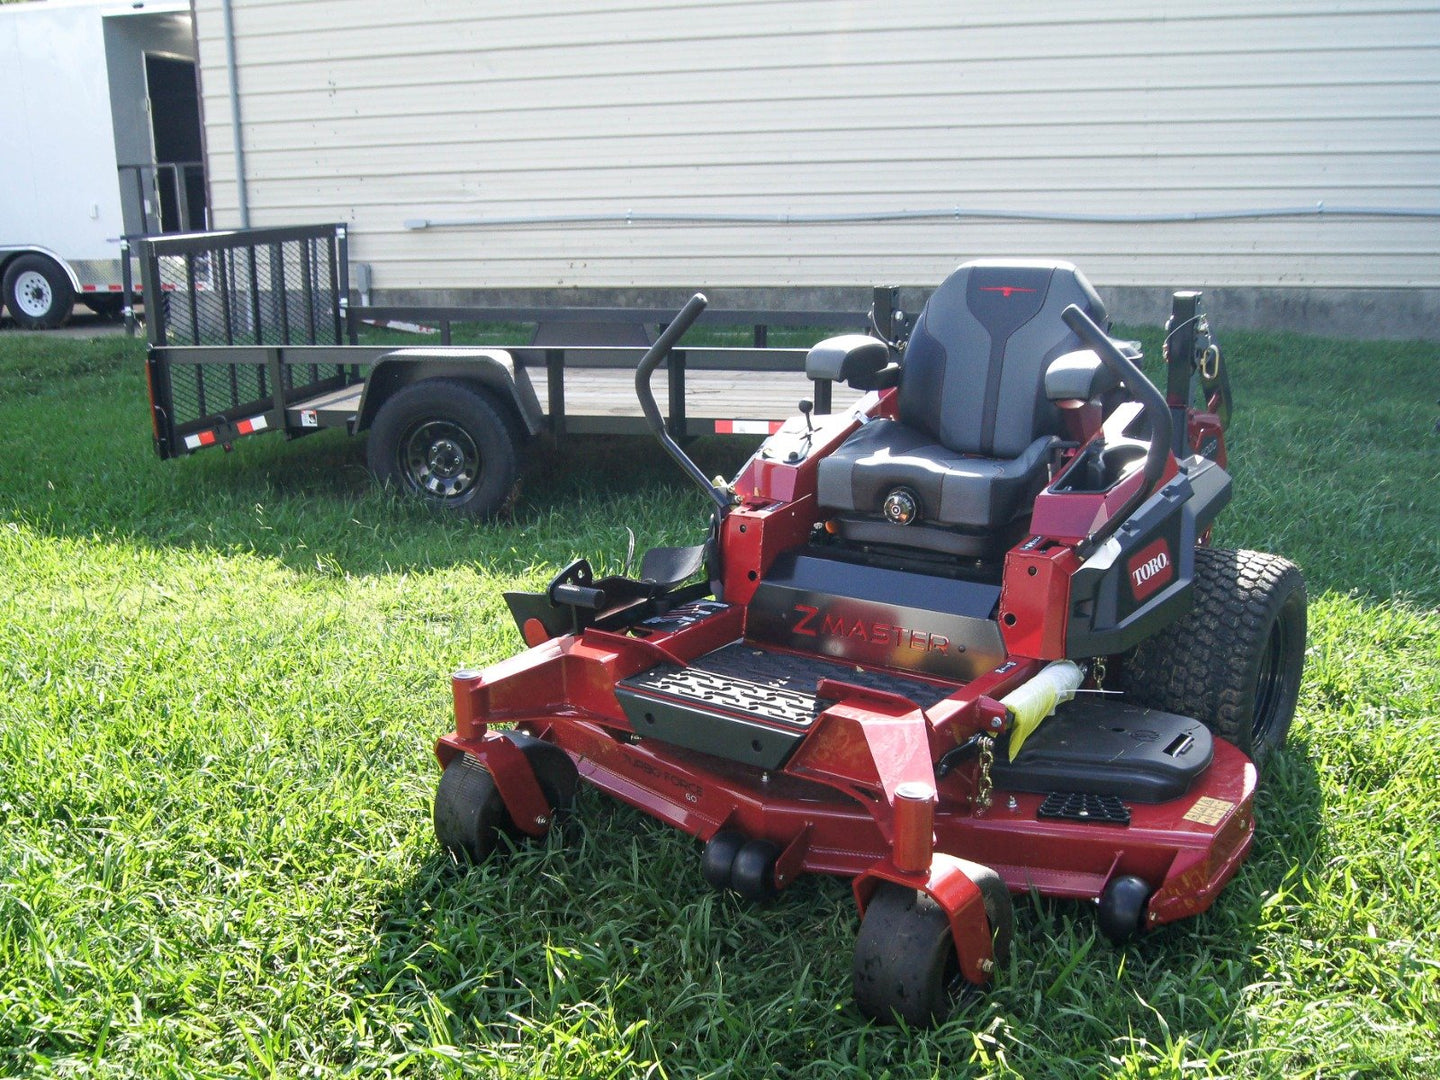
[{"x": 967, "y": 638}]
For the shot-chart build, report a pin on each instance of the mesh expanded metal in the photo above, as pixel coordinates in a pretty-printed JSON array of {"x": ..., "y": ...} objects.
[
  {"x": 281, "y": 293},
  {"x": 273, "y": 293}
]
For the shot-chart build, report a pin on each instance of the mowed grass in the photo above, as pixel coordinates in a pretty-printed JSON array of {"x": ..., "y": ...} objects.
[{"x": 220, "y": 679}]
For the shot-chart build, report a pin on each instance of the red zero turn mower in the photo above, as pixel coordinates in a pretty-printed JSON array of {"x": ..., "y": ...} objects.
[{"x": 966, "y": 639}]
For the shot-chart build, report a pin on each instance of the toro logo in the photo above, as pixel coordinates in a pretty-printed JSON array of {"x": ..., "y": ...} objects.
[{"x": 1151, "y": 569}]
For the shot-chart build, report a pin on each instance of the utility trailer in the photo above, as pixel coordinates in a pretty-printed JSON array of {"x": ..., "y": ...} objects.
[
  {"x": 99, "y": 141},
  {"x": 254, "y": 333}
]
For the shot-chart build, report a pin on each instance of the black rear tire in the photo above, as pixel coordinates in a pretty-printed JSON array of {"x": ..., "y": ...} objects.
[
  {"x": 1235, "y": 661},
  {"x": 38, "y": 293},
  {"x": 449, "y": 443}
]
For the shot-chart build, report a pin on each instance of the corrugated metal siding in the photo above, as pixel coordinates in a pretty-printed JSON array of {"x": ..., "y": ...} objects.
[{"x": 376, "y": 113}]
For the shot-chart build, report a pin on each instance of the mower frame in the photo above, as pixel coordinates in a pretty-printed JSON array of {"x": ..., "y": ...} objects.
[{"x": 890, "y": 776}]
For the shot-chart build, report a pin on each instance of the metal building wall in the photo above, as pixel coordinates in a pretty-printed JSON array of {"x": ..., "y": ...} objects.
[{"x": 379, "y": 113}]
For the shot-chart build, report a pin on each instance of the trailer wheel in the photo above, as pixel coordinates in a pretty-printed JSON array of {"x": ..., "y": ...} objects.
[
  {"x": 38, "y": 292},
  {"x": 108, "y": 306},
  {"x": 1234, "y": 662},
  {"x": 448, "y": 443},
  {"x": 469, "y": 815}
]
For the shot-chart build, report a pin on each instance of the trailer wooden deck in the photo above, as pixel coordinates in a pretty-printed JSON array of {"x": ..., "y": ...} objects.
[{"x": 601, "y": 400}]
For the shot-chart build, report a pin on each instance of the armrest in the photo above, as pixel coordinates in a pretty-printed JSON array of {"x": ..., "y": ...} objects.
[
  {"x": 857, "y": 360},
  {"x": 1078, "y": 376}
]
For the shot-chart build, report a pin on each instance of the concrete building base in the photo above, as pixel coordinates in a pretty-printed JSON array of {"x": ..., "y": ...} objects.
[{"x": 1367, "y": 314}]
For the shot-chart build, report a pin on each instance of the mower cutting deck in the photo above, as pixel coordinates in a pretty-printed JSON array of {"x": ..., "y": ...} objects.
[{"x": 903, "y": 661}]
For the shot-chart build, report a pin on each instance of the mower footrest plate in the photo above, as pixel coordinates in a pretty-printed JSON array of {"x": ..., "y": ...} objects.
[
  {"x": 747, "y": 704},
  {"x": 1092, "y": 809}
]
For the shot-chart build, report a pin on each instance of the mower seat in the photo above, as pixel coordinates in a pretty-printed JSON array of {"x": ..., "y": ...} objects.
[{"x": 972, "y": 446}]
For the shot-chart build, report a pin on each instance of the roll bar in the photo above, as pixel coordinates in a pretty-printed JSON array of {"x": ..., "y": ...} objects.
[{"x": 1156, "y": 410}]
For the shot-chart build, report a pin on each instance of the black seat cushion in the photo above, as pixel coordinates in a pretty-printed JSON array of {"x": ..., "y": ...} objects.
[
  {"x": 975, "y": 424},
  {"x": 954, "y": 489}
]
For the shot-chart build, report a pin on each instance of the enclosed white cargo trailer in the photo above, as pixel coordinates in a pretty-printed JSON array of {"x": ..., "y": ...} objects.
[{"x": 99, "y": 141}]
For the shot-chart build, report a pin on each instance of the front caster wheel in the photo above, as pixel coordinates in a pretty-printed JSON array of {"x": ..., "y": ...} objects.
[
  {"x": 905, "y": 962},
  {"x": 906, "y": 966},
  {"x": 1122, "y": 908},
  {"x": 470, "y": 816}
]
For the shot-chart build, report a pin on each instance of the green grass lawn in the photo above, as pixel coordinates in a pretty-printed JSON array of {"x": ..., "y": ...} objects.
[{"x": 220, "y": 679}]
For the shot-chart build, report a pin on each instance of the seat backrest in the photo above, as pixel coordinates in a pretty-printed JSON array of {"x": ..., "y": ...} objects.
[{"x": 973, "y": 377}]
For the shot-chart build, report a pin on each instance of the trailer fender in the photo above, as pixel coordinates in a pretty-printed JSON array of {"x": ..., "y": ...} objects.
[
  {"x": 10, "y": 253},
  {"x": 493, "y": 369}
]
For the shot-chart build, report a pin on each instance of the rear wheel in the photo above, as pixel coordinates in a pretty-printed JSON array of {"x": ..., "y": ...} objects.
[
  {"x": 38, "y": 292},
  {"x": 1234, "y": 662},
  {"x": 448, "y": 443}
]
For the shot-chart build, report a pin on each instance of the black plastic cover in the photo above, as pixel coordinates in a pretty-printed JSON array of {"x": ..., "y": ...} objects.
[{"x": 1099, "y": 746}]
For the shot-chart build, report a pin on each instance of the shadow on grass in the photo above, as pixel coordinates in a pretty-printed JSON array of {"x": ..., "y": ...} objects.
[{"x": 312, "y": 505}]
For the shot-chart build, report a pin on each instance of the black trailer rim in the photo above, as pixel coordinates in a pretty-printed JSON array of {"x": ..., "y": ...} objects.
[
  {"x": 1271, "y": 686},
  {"x": 440, "y": 459}
]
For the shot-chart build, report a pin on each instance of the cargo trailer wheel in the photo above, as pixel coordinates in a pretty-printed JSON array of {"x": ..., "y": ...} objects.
[
  {"x": 470, "y": 816},
  {"x": 108, "y": 306},
  {"x": 1234, "y": 662},
  {"x": 448, "y": 443},
  {"x": 38, "y": 292}
]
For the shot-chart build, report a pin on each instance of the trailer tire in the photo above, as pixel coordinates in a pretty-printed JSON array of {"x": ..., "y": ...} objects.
[
  {"x": 1234, "y": 662},
  {"x": 38, "y": 292},
  {"x": 447, "y": 442},
  {"x": 108, "y": 306}
]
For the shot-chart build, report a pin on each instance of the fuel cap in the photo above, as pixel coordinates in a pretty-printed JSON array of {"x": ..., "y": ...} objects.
[{"x": 901, "y": 506}]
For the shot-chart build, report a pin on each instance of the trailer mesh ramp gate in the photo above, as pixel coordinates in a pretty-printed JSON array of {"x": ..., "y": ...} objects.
[{"x": 261, "y": 288}]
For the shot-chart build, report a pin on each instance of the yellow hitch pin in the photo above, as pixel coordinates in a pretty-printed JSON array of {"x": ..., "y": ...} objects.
[{"x": 1033, "y": 701}]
